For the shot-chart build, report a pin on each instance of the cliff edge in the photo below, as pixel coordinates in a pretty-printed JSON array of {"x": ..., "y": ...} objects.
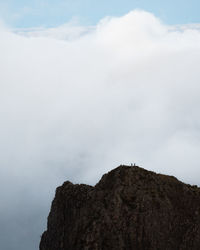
[{"x": 129, "y": 209}]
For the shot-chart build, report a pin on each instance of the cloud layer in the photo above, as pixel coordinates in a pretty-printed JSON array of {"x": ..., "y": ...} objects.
[{"x": 78, "y": 101}]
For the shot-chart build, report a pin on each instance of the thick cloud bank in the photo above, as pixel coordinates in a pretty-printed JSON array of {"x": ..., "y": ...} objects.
[{"x": 76, "y": 102}]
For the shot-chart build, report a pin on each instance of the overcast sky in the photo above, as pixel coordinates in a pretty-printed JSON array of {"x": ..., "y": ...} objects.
[{"x": 77, "y": 101}]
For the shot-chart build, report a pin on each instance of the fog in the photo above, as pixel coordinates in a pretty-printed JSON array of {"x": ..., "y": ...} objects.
[{"x": 76, "y": 102}]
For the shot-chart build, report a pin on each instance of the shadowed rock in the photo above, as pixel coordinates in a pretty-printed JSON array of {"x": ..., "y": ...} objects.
[{"x": 129, "y": 209}]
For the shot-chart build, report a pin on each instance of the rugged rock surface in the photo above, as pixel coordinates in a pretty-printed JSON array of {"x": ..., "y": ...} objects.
[{"x": 129, "y": 209}]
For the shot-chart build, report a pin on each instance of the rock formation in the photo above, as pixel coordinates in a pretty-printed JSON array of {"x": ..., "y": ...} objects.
[{"x": 129, "y": 209}]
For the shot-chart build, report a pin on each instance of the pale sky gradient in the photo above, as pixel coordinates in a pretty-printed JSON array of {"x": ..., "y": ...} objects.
[{"x": 50, "y": 13}]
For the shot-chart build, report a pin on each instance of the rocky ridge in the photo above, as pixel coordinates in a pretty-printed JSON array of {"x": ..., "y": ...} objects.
[{"x": 129, "y": 209}]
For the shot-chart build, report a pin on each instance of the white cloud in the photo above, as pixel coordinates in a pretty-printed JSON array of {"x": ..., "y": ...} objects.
[
  {"x": 77, "y": 101},
  {"x": 69, "y": 31}
]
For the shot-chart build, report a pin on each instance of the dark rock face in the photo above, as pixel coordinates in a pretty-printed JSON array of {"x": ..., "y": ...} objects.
[{"x": 129, "y": 209}]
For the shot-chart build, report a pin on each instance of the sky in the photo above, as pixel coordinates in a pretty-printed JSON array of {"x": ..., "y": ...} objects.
[
  {"x": 50, "y": 13},
  {"x": 85, "y": 88}
]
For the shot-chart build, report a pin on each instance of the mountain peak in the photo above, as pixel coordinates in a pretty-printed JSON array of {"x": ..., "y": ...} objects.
[{"x": 129, "y": 208}]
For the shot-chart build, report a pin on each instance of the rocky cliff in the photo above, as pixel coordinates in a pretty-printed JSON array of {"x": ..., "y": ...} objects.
[{"x": 129, "y": 209}]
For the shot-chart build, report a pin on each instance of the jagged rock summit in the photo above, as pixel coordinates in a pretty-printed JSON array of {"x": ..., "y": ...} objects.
[{"x": 129, "y": 209}]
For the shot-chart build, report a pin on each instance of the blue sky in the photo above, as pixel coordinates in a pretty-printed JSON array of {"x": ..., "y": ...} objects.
[{"x": 51, "y": 13}]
